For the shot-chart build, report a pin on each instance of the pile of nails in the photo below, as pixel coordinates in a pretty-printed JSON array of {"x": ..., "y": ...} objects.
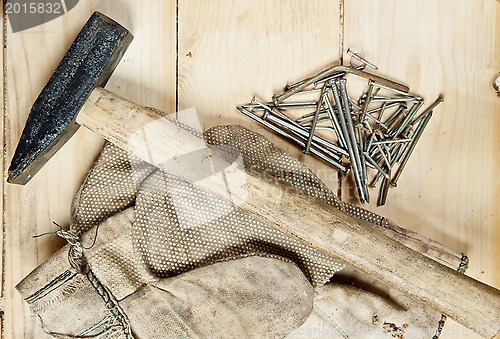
[{"x": 372, "y": 137}]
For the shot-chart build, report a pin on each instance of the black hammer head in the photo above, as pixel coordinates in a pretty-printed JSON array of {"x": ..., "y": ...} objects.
[{"x": 89, "y": 63}]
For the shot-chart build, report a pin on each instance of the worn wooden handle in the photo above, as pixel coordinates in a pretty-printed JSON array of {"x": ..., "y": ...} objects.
[{"x": 321, "y": 226}]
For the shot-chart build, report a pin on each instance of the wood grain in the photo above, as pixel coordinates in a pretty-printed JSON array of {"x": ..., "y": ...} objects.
[
  {"x": 230, "y": 51},
  {"x": 449, "y": 191},
  {"x": 310, "y": 221},
  {"x": 145, "y": 74}
]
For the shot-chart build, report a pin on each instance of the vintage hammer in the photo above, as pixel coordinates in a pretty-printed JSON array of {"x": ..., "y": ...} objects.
[
  {"x": 88, "y": 64},
  {"x": 74, "y": 87}
]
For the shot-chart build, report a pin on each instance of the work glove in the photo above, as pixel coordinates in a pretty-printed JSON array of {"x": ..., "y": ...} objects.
[
  {"x": 155, "y": 231},
  {"x": 114, "y": 295}
]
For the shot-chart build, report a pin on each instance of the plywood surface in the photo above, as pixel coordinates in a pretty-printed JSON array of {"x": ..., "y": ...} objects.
[
  {"x": 449, "y": 191},
  {"x": 226, "y": 52},
  {"x": 146, "y": 74}
]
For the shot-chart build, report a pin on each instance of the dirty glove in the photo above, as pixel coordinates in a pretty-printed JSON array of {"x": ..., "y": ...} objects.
[
  {"x": 255, "y": 296},
  {"x": 174, "y": 230}
]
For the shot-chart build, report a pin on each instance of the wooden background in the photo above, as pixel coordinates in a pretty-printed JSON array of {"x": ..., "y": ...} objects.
[{"x": 215, "y": 54}]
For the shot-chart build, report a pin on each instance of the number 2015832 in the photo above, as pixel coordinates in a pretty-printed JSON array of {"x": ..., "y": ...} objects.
[{"x": 34, "y": 8}]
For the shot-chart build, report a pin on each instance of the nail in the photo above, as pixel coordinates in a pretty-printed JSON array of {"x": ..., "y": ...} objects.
[
  {"x": 364, "y": 61},
  {"x": 381, "y": 112},
  {"x": 384, "y": 156},
  {"x": 302, "y": 132},
  {"x": 370, "y": 142},
  {"x": 266, "y": 107},
  {"x": 339, "y": 69},
  {"x": 376, "y": 120},
  {"x": 309, "y": 81},
  {"x": 306, "y": 119},
  {"x": 312, "y": 90},
  {"x": 384, "y": 189},
  {"x": 315, "y": 121},
  {"x": 331, "y": 77},
  {"x": 376, "y": 165},
  {"x": 353, "y": 104},
  {"x": 439, "y": 100},
  {"x": 395, "y": 115},
  {"x": 298, "y": 104},
  {"x": 391, "y": 141},
  {"x": 391, "y": 100},
  {"x": 375, "y": 180},
  {"x": 325, "y": 128},
  {"x": 407, "y": 119},
  {"x": 322, "y": 118},
  {"x": 298, "y": 83},
  {"x": 367, "y": 101},
  {"x": 397, "y": 153},
  {"x": 335, "y": 122},
  {"x": 364, "y": 177},
  {"x": 347, "y": 139},
  {"x": 395, "y": 90},
  {"x": 411, "y": 146},
  {"x": 356, "y": 161},
  {"x": 322, "y": 153}
]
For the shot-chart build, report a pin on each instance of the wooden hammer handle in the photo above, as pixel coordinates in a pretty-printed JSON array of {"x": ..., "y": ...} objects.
[{"x": 315, "y": 223}]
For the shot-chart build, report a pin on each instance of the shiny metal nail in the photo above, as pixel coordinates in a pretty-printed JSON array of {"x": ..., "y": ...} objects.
[
  {"x": 384, "y": 189},
  {"x": 329, "y": 78},
  {"x": 376, "y": 120},
  {"x": 303, "y": 104},
  {"x": 367, "y": 100},
  {"x": 308, "y": 118},
  {"x": 406, "y": 121},
  {"x": 322, "y": 118},
  {"x": 355, "y": 160},
  {"x": 390, "y": 141},
  {"x": 302, "y": 132},
  {"x": 439, "y": 100},
  {"x": 298, "y": 83},
  {"x": 381, "y": 112},
  {"x": 298, "y": 138},
  {"x": 338, "y": 69},
  {"x": 392, "y": 100},
  {"x": 394, "y": 115},
  {"x": 375, "y": 180},
  {"x": 376, "y": 165},
  {"x": 315, "y": 120},
  {"x": 370, "y": 142},
  {"x": 411, "y": 146},
  {"x": 355, "y": 105},
  {"x": 312, "y": 90},
  {"x": 335, "y": 121},
  {"x": 384, "y": 156},
  {"x": 345, "y": 133},
  {"x": 364, "y": 178}
]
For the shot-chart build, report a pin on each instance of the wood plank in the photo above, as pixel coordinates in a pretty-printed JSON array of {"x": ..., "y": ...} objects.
[
  {"x": 449, "y": 191},
  {"x": 420, "y": 46},
  {"x": 230, "y": 51},
  {"x": 146, "y": 75}
]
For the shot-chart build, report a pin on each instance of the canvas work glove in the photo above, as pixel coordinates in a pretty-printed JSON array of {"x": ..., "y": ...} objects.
[
  {"x": 253, "y": 296},
  {"x": 172, "y": 260}
]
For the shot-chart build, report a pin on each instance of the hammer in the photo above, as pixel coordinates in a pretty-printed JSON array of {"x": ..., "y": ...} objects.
[
  {"x": 73, "y": 96},
  {"x": 87, "y": 65}
]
